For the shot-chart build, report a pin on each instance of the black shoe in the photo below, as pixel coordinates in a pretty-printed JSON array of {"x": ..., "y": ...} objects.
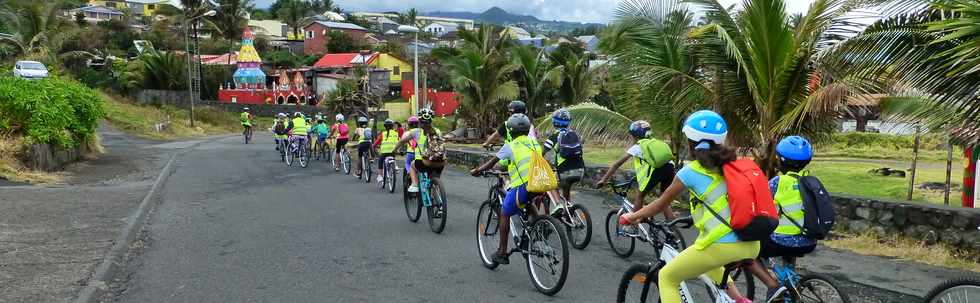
[{"x": 500, "y": 258}]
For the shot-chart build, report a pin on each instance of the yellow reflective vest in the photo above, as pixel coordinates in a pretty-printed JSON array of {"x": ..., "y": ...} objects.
[
  {"x": 710, "y": 229},
  {"x": 521, "y": 147},
  {"x": 789, "y": 203}
]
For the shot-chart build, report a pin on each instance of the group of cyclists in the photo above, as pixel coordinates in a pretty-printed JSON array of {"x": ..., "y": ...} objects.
[{"x": 654, "y": 165}]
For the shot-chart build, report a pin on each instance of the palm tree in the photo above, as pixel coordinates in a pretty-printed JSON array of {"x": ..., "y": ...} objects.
[
  {"x": 578, "y": 82},
  {"x": 480, "y": 74},
  {"x": 231, "y": 18},
  {"x": 655, "y": 76},
  {"x": 927, "y": 52},
  {"x": 39, "y": 32},
  {"x": 763, "y": 70},
  {"x": 537, "y": 76},
  {"x": 294, "y": 13}
]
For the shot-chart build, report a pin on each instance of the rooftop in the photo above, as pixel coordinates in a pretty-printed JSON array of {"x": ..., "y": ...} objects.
[
  {"x": 99, "y": 9},
  {"x": 340, "y": 25}
]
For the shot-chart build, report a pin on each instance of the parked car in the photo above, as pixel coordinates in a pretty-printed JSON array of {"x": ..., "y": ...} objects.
[{"x": 30, "y": 70}]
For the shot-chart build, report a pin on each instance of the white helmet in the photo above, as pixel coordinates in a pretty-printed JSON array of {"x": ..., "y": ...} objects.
[
  {"x": 281, "y": 115},
  {"x": 340, "y": 117}
]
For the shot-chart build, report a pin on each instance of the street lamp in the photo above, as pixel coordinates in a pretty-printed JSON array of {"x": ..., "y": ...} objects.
[
  {"x": 187, "y": 49},
  {"x": 415, "y": 69}
]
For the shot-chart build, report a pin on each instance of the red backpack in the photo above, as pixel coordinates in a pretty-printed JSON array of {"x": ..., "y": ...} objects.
[{"x": 754, "y": 215}]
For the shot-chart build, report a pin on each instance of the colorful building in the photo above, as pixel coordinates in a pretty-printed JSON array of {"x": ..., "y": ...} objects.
[
  {"x": 137, "y": 7},
  {"x": 344, "y": 63},
  {"x": 250, "y": 82}
]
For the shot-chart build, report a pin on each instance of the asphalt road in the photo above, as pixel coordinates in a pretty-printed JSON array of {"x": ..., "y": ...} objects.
[{"x": 236, "y": 225}]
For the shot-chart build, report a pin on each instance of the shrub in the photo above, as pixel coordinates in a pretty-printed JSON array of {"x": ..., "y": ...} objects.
[
  {"x": 876, "y": 140},
  {"x": 53, "y": 110}
]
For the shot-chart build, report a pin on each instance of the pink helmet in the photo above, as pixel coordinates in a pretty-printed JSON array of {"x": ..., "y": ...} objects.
[{"x": 413, "y": 119}]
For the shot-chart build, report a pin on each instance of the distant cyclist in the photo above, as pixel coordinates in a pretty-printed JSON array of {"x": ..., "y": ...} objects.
[
  {"x": 297, "y": 130},
  {"x": 247, "y": 120},
  {"x": 385, "y": 143},
  {"x": 362, "y": 134},
  {"x": 340, "y": 131},
  {"x": 514, "y": 107},
  {"x": 279, "y": 129},
  {"x": 427, "y": 159},
  {"x": 321, "y": 131},
  {"x": 651, "y": 163}
]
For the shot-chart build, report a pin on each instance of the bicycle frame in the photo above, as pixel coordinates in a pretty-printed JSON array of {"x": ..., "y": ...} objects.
[
  {"x": 424, "y": 183},
  {"x": 786, "y": 275},
  {"x": 668, "y": 253}
]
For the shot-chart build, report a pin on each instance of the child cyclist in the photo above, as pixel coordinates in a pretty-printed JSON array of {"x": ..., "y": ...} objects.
[
  {"x": 413, "y": 123},
  {"x": 362, "y": 135},
  {"x": 321, "y": 131},
  {"x": 279, "y": 129},
  {"x": 651, "y": 163},
  {"x": 567, "y": 148},
  {"x": 518, "y": 152},
  {"x": 385, "y": 143},
  {"x": 716, "y": 244},
  {"x": 788, "y": 240},
  {"x": 340, "y": 132}
]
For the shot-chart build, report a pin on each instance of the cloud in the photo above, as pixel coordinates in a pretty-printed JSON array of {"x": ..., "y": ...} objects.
[{"x": 600, "y": 11}]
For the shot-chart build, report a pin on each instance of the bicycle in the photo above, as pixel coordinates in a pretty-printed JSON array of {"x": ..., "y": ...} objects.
[
  {"x": 366, "y": 170},
  {"x": 811, "y": 287},
  {"x": 626, "y": 236},
  {"x": 434, "y": 203},
  {"x": 533, "y": 242},
  {"x": 283, "y": 145},
  {"x": 247, "y": 133},
  {"x": 958, "y": 290},
  {"x": 388, "y": 174},
  {"x": 299, "y": 152},
  {"x": 639, "y": 277},
  {"x": 321, "y": 149},
  {"x": 344, "y": 157}
]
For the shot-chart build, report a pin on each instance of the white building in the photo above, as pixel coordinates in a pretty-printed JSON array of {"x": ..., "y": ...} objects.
[
  {"x": 439, "y": 29},
  {"x": 422, "y": 20}
]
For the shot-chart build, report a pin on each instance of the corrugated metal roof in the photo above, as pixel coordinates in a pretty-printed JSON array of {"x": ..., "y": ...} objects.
[
  {"x": 341, "y": 25},
  {"x": 100, "y": 9}
]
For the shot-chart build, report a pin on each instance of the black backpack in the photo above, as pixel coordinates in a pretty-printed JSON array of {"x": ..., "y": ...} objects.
[
  {"x": 819, "y": 215},
  {"x": 569, "y": 145}
]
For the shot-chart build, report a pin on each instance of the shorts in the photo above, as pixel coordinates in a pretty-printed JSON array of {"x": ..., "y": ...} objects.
[
  {"x": 363, "y": 148},
  {"x": 516, "y": 199},
  {"x": 321, "y": 138},
  {"x": 381, "y": 159},
  {"x": 341, "y": 143},
  {"x": 568, "y": 178},
  {"x": 769, "y": 248},
  {"x": 421, "y": 168},
  {"x": 409, "y": 157},
  {"x": 663, "y": 176},
  {"x": 297, "y": 139}
]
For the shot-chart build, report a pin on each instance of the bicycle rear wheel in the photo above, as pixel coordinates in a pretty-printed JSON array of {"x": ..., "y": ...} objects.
[
  {"x": 959, "y": 290},
  {"x": 547, "y": 256},
  {"x": 390, "y": 179},
  {"x": 488, "y": 233},
  {"x": 282, "y": 150},
  {"x": 413, "y": 207},
  {"x": 437, "y": 213},
  {"x": 304, "y": 156},
  {"x": 366, "y": 169},
  {"x": 820, "y": 288},
  {"x": 634, "y": 286},
  {"x": 619, "y": 242},
  {"x": 579, "y": 226},
  {"x": 345, "y": 161},
  {"x": 290, "y": 155}
]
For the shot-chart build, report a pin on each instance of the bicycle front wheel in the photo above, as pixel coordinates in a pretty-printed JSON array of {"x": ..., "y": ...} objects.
[
  {"x": 621, "y": 243},
  {"x": 634, "y": 286},
  {"x": 579, "y": 226},
  {"x": 437, "y": 212},
  {"x": 820, "y": 288},
  {"x": 960, "y": 290},
  {"x": 547, "y": 259},
  {"x": 488, "y": 233}
]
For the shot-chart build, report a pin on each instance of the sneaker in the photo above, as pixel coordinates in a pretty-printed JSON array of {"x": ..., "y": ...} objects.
[
  {"x": 775, "y": 294},
  {"x": 381, "y": 179},
  {"x": 500, "y": 258},
  {"x": 413, "y": 189},
  {"x": 743, "y": 300}
]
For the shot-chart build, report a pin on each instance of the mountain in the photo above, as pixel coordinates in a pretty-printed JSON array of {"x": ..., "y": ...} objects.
[
  {"x": 499, "y": 16},
  {"x": 493, "y": 15}
]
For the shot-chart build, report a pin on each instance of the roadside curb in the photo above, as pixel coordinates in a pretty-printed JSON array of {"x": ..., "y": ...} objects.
[{"x": 97, "y": 285}]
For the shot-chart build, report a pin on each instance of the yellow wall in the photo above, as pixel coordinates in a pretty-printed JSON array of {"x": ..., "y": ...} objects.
[
  {"x": 389, "y": 62},
  {"x": 121, "y": 5}
]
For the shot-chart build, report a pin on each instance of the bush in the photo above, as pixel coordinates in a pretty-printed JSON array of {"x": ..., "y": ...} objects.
[
  {"x": 52, "y": 110},
  {"x": 876, "y": 140}
]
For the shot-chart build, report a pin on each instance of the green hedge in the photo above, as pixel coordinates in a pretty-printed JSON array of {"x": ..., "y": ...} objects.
[
  {"x": 876, "y": 140},
  {"x": 53, "y": 110}
]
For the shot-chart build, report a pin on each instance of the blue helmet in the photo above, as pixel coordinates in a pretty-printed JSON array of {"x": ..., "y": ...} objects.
[
  {"x": 794, "y": 148},
  {"x": 561, "y": 118},
  {"x": 639, "y": 129},
  {"x": 705, "y": 125}
]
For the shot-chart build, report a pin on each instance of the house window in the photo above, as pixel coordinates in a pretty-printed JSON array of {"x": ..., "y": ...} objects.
[
  {"x": 309, "y": 34},
  {"x": 397, "y": 70}
]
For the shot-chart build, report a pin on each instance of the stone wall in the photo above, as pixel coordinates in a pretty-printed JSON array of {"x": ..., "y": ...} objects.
[
  {"x": 50, "y": 157},
  {"x": 954, "y": 226}
]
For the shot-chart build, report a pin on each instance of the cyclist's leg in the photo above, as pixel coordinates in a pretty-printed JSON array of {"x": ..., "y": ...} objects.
[
  {"x": 513, "y": 202},
  {"x": 693, "y": 262},
  {"x": 412, "y": 173}
]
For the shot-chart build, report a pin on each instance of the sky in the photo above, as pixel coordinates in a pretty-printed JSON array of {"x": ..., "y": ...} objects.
[{"x": 597, "y": 11}]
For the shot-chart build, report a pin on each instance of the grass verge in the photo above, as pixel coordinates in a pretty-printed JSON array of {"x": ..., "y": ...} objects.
[
  {"x": 141, "y": 120},
  {"x": 904, "y": 249},
  {"x": 854, "y": 178}
]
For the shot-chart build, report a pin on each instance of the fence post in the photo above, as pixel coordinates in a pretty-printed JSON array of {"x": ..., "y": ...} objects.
[
  {"x": 949, "y": 169},
  {"x": 915, "y": 157}
]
